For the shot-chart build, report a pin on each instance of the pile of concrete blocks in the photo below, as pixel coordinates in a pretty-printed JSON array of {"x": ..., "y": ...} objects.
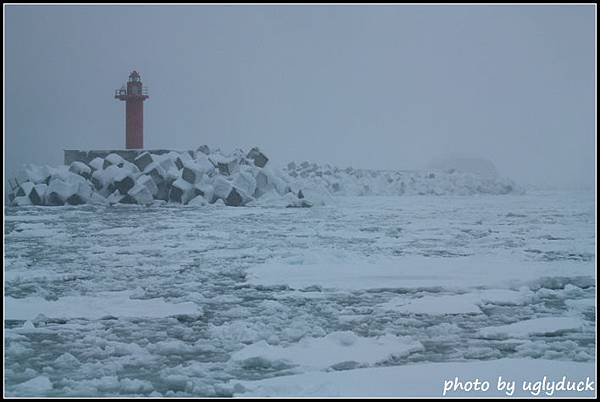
[
  {"x": 198, "y": 177},
  {"x": 359, "y": 182},
  {"x": 43, "y": 185}
]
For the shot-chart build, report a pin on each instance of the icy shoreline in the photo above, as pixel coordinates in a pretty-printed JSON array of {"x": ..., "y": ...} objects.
[{"x": 205, "y": 176}]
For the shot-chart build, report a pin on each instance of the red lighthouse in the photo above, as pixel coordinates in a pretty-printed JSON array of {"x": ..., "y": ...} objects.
[{"x": 134, "y": 96}]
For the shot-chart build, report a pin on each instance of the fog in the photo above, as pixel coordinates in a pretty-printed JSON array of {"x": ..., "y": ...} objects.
[{"x": 374, "y": 87}]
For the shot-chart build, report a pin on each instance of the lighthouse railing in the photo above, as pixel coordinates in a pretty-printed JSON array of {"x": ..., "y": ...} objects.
[{"x": 123, "y": 92}]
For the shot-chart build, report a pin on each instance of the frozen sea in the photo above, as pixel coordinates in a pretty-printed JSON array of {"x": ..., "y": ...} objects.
[{"x": 364, "y": 296}]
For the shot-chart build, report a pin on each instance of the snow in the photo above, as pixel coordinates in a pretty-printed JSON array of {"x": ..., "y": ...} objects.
[
  {"x": 360, "y": 296},
  {"x": 272, "y": 198},
  {"x": 537, "y": 326},
  {"x": 22, "y": 201},
  {"x": 420, "y": 380},
  {"x": 506, "y": 296},
  {"x": 581, "y": 304},
  {"x": 66, "y": 360},
  {"x": 336, "y": 347},
  {"x": 461, "y": 304},
  {"x": 198, "y": 201},
  {"x": 467, "y": 303},
  {"x": 35, "y": 386},
  {"x": 117, "y": 304},
  {"x": 351, "y": 271}
]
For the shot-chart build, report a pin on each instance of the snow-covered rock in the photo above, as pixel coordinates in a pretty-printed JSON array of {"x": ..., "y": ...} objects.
[
  {"x": 222, "y": 187},
  {"x": 38, "y": 194},
  {"x": 33, "y": 173},
  {"x": 258, "y": 157},
  {"x": 81, "y": 169},
  {"x": 235, "y": 198},
  {"x": 267, "y": 180},
  {"x": 156, "y": 172},
  {"x": 113, "y": 159},
  {"x": 97, "y": 199},
  {"x": 163, "y": 190},
  {"x": 204, "y": 164},
  {"x": 25, "y": 189},
  {"x": 226, "y": 165},
  {"x": 167, "y": 162},
  {"x": 181, "y": 191},
  {"x": 96, "y": 163},
  {"x": 141, "y": 194},
  {"x": 114, "y": 197},
  {"x": 206, "y": 190},
  {"x": 203, "y": 149},
  {"x": 84, "y": 192},
  {"x": 182, "y": 158},
  {"x": 245, "y": 182},
  {"x": 131, "y": 168},
  {"x": 147, "y": 181},
  {"x": 191, "y": 172},
  {"x": 143, "y": 160},
  {"x": 59, "y": 191},
  {"x": 123, "y": 180}
]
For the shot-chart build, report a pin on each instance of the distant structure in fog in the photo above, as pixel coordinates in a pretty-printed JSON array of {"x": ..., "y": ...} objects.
[
  {"x": 134, "y": 95},
  {"x": 465, "y": 164}
]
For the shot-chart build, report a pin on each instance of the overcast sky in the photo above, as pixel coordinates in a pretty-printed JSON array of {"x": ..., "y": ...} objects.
[{"x": 378, "y": 86}]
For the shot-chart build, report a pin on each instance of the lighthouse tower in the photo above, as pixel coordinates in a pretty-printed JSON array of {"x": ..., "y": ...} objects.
[{"x": 134, "y": 96}]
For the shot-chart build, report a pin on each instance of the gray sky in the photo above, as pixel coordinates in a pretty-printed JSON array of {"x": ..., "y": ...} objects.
[{"x": 377, "y": 86}]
